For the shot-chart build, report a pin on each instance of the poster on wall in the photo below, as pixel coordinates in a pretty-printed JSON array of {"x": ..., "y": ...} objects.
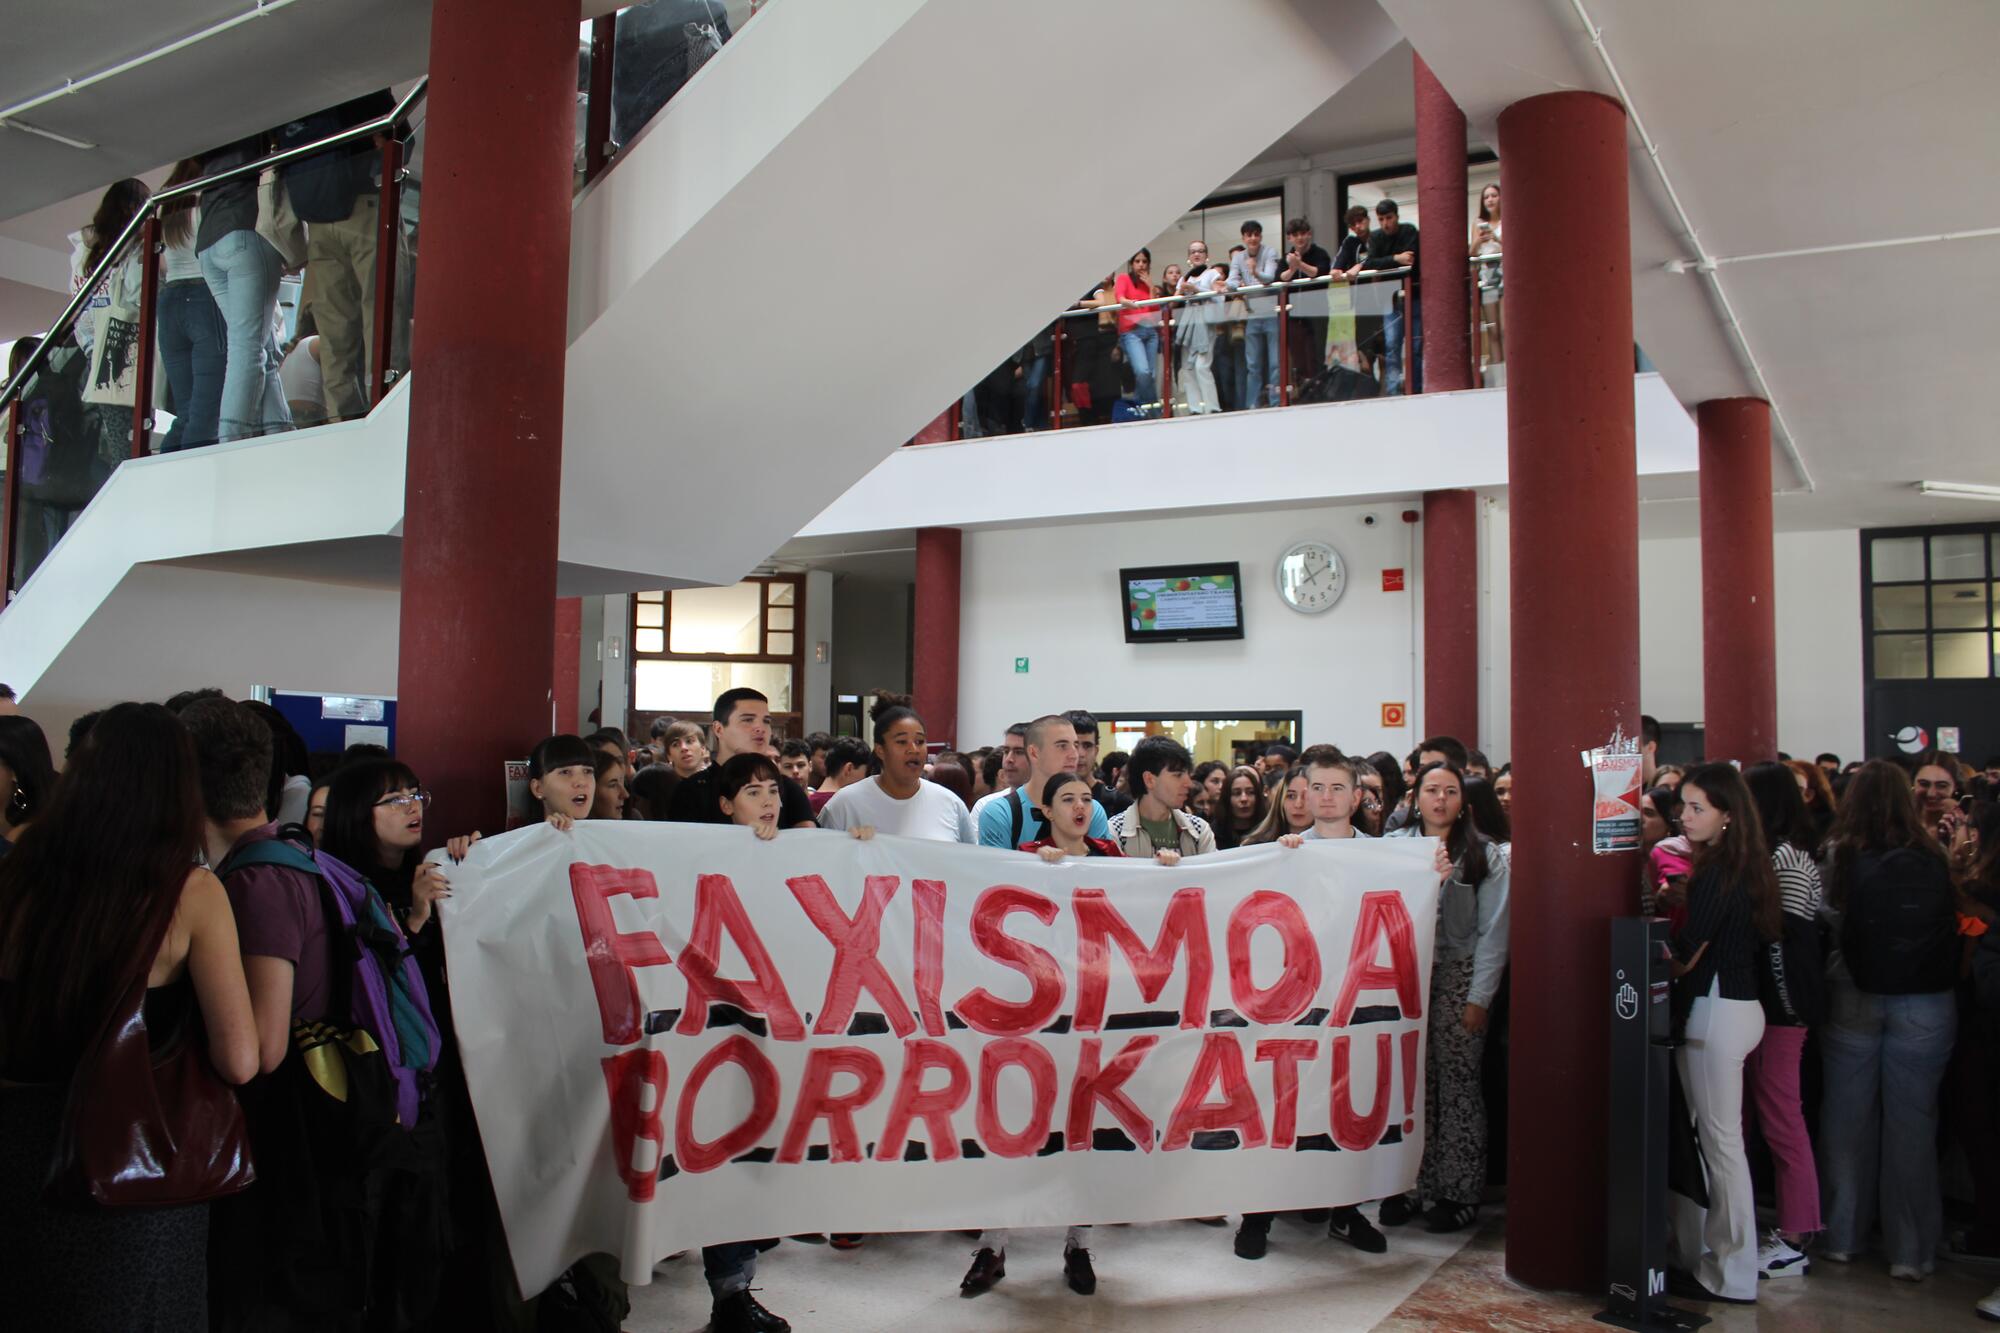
[
  {"x": 677, "y": 1035},
  {"x": 1617, "y": 772}
]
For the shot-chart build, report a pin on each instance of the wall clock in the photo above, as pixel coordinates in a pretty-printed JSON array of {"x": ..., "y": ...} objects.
[{"x": 1311, "y": 577}]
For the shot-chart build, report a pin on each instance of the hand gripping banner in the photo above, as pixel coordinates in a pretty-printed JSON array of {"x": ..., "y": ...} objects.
[{"x": 677, "y": 1035}]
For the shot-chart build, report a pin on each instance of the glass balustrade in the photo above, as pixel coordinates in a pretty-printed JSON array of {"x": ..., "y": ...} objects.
[{"x": 140, "y": 361}]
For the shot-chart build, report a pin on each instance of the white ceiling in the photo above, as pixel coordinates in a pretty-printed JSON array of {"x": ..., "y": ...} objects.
[{"x": 1783, "y": 125}]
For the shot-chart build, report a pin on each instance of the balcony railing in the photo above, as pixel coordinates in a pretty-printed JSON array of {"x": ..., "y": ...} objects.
[
  {"x": 74, "y": 412},
  {"x": 1318, "y": 340}
]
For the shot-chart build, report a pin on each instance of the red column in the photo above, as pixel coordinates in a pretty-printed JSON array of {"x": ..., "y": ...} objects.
[
  {"x": 934, "y": 631},
  {"x": 569, "y": 664},
  {"x": 484, "y": 471},
  {"x": 1441, "y": 204},
  {"x": 1451, "y": 614},
  {"x": 1574, "y": 511},
  {"x": 1739, "y": 625}
]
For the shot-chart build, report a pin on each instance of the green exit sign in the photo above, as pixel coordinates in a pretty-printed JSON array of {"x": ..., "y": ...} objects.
[{"x": 1020, "y": 666}]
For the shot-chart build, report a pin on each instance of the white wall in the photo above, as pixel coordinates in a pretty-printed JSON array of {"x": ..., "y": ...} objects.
[
  {"x": 1818, "y": 578},
  {"x": 1051, "y": 594}
]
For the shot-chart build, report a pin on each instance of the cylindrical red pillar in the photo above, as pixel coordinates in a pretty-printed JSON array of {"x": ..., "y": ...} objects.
[
  {"x": 569, "y": 664},
  {"x": 1739, "y": 619},
  {"x": 934, "y": 632},
  {"x": 1573, "y": 498},
  {"x": 1451, "y": 615},
  {"x": 1441, "y": 204},
  {"x": 484, "y": 472}
]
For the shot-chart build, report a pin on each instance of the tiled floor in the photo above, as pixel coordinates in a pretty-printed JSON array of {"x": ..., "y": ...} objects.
[
  {"x": 1472, "y": 1293},
  {"x": 1180, "y": 1277},
  {"x": 1163, "y": 1277}
]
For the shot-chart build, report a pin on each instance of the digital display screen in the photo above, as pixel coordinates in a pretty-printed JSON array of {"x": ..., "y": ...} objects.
[{"x": 1182, "y": 603}]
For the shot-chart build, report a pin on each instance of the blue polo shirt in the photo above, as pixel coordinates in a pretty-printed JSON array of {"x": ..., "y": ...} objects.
[{"x": 996, "y": 823}]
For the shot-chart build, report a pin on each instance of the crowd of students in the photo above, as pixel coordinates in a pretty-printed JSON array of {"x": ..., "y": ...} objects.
[{"x": 284, "y": 925}]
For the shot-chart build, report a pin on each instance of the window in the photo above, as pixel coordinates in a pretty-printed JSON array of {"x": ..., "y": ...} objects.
[
  {"x": 1931, "y": 603},
  {"x": 691, "y": 644}
]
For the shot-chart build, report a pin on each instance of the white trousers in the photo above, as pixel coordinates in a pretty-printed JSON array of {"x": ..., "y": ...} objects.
[
  {"x": 1719, "y": 1244},
  {"x": 1198, "y": 370}
]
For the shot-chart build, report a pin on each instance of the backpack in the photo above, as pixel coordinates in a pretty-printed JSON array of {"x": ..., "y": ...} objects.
[
  {"x": 349, "y": 1216},
  {"x": 1792, "y": 981},
  {"x": 59, "y": 434},
  {"x": 1899, "y": 932}
]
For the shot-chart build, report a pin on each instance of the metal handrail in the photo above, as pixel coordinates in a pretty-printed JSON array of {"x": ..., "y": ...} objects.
[
  {"x": 115, "y": 255},
  {"x": 1268, "y": 288}
]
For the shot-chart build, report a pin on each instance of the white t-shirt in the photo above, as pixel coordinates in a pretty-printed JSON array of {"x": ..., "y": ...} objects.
[{"x": 933, "y": 813}]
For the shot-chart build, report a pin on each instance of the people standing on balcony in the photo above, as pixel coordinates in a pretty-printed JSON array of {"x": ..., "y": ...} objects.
[
  {"x": 1308, "y": 309},
  {"x": 1256, "y": 265},
  {"x": 1090, "y": 365},
  {"x": 1392, "y": 246},
  {"x": 1486, "y": 241},
  {"x": 193, "y": 343},
  {"x": 242, "y": 270},
  {"x": 1031, "y": 370},
  {"x": 1194, "y": 329},
  {"x": 337, "y": 194},
  {"x": 1139, "y": 330},
  {"x": 110, "y": 314}
]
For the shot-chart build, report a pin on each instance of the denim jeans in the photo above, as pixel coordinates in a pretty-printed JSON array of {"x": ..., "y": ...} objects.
[
  {"x": 193, "y": 349},
  {"x": 1260, "y": 351},
  {"x": 729, "y": 1268},
  {"x": 1884, "y": 1057},
  {"x": 1141, "y": 345},
  {"x": 242, "y": 270},
  {"x": 1392, "y": 352},
  {"x": 1034, "y": 395}
]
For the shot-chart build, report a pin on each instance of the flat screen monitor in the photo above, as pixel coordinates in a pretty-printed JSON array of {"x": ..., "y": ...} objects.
[{"x": 1182, "y": 603}]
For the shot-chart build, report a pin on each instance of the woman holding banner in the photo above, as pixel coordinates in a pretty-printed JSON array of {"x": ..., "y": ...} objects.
[
  {"x": 1470, "y": 956},
  {"x": 1070, "y": 807}
]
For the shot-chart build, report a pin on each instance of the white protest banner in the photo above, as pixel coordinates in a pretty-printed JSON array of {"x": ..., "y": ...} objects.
[{"x": 676, "y": 1035}]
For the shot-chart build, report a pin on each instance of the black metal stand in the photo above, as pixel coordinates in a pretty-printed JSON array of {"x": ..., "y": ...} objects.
[{"x": 1636, "y": 1219}]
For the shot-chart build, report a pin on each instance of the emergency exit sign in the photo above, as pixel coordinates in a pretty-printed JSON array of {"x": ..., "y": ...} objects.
[{"x": 1020, "y": 666}]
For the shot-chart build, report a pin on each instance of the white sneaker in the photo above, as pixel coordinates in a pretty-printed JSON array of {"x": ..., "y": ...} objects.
[
  {"x": 1778, "y": 1258},
  {"x": 1990, "y": 1307},
  {"x": 1907, "y": 1273}
]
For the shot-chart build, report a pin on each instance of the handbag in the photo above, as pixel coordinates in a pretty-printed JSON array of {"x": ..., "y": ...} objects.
[
  {"x": 144, "y": 1129},
  {"x": 113, "y": 377},
  {"x": 277, "y": 223}
]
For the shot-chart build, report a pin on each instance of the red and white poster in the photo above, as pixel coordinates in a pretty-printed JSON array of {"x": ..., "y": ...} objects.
[{"x": 677, "y": 1035}]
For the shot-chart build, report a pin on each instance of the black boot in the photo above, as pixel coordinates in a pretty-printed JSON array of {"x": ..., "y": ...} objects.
[
  {"x": 740, "y": 1312},
  {"x": 988, "y": 1267},
  {"x": 1076, "y": 1267},
  {"x": 1253, "y": 1238}
]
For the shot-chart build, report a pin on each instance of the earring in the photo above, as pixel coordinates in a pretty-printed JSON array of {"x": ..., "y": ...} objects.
[{"x": 18, "y": 806}]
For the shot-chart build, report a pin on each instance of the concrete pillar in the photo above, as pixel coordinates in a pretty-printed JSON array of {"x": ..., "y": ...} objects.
[
  {"x": 934, "y": 632},
  {"x": 1574, "y": 556},
  {"x": 486, "y": 414},
  {"x": 1739, "y": 625},
  {"x": 1451, "y": 615},
  {"x": 1441, "y": 277}
]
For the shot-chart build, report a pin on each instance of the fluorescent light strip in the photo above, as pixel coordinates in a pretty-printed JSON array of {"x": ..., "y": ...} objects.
[
  {"x": 1958, "y": 490},
  {"x": 37, "y": 130}
]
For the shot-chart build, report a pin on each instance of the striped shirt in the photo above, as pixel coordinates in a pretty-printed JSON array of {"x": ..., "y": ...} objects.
[{"x": 1798, "y": 881}]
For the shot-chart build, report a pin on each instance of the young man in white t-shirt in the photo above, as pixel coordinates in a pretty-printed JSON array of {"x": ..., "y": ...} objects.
[
  {"x": 897, "y": 799},
  {"x": 1333, "y": 793}
]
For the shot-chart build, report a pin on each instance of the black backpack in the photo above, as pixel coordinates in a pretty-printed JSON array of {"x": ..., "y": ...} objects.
[
  {"x": 1792, "y": 981},
  {"x": 1899, "y": 932}
]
